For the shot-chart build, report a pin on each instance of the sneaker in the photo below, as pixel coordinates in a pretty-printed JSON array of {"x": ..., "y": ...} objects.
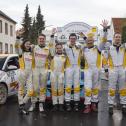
[
  {"x": 41, "y": 107},
  {"x": 94, "y": 107},
  {"x": 32, "y": 107},
  {"x": 110, "y": 109},
  {"x": 61, "y": 107},
  {"x": 87, "y": 109}
]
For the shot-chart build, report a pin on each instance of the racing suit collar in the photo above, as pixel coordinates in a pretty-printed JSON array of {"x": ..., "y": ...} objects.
[
  {"x": 42, "y": 46},
  {"x": 70, "y": 46},
  {"x": 59, "y": 53},
  {"x": 90, "y": 47},
  {"x": 27, "y": 50},
  {"x": 116, "y": 45}
]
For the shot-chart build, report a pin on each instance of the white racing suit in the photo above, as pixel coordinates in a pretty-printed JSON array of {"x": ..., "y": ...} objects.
[
  {"x": 73, "y": 57},
  {"x": 40, "y": 71},
  {"x": 57, "y": 78},
  {"x": 93, "y": 63},
  {"x": 117, "y": 65},
  {"x": 25, "y": 78}
]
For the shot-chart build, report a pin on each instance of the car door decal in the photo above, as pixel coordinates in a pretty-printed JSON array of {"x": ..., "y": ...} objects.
[{"x": 14, "y": 86}]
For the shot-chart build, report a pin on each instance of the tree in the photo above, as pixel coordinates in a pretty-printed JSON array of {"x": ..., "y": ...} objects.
[
  {"x": 26, "y": 23},
  {"x": 124, "y": 34},
  {"x": 40, "y": 23},
  {"x": 34, "y": 32},
  {"x": 123, "y": 30}
]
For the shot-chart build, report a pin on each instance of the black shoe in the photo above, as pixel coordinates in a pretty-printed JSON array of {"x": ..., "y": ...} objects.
[
  {"x": 124, "y": 109},
  {"x": 68, "y": 107},
  {"x": 22, "y": 110},
  {"x": 55, "y": 108},
  {"x": 61, "y": 109},
  {"x": 76, "y": 109},
  {"x": 110, "y": 109}
]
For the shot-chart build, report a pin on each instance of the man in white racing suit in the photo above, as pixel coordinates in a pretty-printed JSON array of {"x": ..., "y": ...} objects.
[
  {"x": 117, "y": 64},
  {"x": 93, "y": 64},
  {"x": 57, "y": 78},
  {"x": 41, "y": 61},
  {"x": 72, "y": 73}
]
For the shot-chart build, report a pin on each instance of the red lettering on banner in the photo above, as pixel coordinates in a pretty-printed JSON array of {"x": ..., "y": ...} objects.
[{"x": 40, "y": 55}]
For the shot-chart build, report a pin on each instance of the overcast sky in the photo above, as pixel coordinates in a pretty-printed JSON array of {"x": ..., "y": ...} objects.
[{"x": 61, "y": 12}]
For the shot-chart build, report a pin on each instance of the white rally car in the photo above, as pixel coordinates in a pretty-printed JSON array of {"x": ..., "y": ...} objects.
[{"x": 9, "y": 66}]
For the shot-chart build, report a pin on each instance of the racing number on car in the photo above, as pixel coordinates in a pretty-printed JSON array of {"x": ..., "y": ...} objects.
[
  {"x": 13, "y": 82},
  {"x": 11, "y": 74}
]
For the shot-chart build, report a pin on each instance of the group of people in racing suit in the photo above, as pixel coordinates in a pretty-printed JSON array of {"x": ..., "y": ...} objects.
[{"x": 65, "y": 64}]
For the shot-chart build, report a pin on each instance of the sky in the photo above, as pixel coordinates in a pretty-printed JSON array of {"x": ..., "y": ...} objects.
[{"x": 58, "y": 13}]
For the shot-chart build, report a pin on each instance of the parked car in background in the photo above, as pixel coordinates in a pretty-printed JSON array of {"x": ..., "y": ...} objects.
[{"x": 9, "y": 67}]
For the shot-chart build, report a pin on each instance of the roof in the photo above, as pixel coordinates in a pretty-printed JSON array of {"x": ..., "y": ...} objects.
[
  {"x": 118, "y": 23},
  {"x": 7, "y": 17},
  {"x": 8, "y": 55}
]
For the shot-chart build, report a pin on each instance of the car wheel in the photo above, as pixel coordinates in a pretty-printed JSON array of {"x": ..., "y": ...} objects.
[{"x": 3, "y": 93}]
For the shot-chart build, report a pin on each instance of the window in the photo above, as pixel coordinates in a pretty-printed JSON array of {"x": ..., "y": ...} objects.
[
  {"x": 6, "y": 28},
  {"x": 6, "y": 48},
  {"x": 11, "y": 30},
  {"x": 1, "y": 47},
  {"x": 2, "y": 61},
  {"x": 13, "y": 61},
  {"x": 11, "y": 48},
  {"x": 0, "y": 26}
]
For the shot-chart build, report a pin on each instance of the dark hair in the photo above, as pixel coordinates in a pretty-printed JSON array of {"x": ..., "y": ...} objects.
[
  {"x": 42, "y": 35},
  {"x": 117, "y": 33},
  {"x": 58, "y": 44},
  {"x": 23, "y": 45},
  {"x": 72, "y": 34}
]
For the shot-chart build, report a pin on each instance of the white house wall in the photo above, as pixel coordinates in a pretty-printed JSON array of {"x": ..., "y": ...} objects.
[{"x": 7, "y": 38}]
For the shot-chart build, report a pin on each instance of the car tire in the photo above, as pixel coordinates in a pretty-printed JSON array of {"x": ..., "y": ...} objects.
[{"x": 3, "y": 93}]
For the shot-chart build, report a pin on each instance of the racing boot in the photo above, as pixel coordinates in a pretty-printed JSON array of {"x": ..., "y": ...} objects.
[
  {"x": 41, "y": 109},
  {"x": 110, "y": 109},
  {"x": 32, "y": 107},
  {"x": 55, "y": 108},
  {"x": 76, "y": 109},
  {"x": 22, "y": 109},
  {"x": 68, "y": 107},
  {"x": 124, "y": 109},
  {"x": 94, "y": 107},
  {"x": 61, "y": 109},
  {"x": 87, "y": 109}
]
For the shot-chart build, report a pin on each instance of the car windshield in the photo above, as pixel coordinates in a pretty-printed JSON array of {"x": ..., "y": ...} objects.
[{"x": 2, "y": 60}]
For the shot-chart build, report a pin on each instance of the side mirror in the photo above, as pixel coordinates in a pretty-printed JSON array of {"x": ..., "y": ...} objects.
[{"x": 12, "y": 67}]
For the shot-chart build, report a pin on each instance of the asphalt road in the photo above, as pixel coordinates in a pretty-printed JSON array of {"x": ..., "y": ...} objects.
[{"x": 9, "y": 115}]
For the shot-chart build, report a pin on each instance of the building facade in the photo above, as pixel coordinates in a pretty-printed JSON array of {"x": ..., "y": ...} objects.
[
  {"x": 118, "y": 25},
  {"x": 62, "y": 33},
  {"x": 75, "y": 27},
  {"x": 7, "y": 34}
]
